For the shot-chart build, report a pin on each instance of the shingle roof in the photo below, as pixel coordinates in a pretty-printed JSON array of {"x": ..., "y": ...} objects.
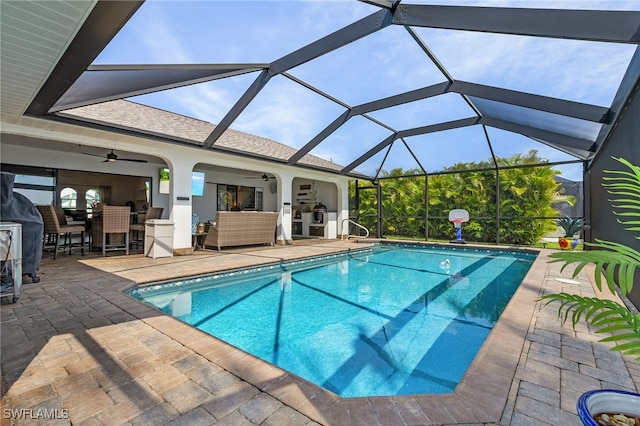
[{"x": 153, "y": 121}]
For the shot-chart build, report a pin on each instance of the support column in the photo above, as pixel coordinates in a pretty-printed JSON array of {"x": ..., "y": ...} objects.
[
  {"x": 343, "y": 208},
  {"x": 285, "y": 203},
  {"x": 180, "y": 205}
]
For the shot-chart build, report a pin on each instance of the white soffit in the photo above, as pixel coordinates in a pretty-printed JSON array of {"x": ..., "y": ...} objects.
[{"x": 35, "y": 34}]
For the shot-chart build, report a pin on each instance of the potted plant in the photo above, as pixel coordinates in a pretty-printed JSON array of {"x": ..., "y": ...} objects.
[
  {"x": 618, "y": 263},
  {"x": 571, "y": 227}
]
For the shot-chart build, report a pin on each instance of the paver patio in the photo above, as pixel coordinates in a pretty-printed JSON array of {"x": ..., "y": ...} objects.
[{"x": 75, "y": 347}]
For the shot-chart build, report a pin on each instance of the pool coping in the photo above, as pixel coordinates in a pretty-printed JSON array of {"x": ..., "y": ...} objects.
[{"x": 480, "y": 397}]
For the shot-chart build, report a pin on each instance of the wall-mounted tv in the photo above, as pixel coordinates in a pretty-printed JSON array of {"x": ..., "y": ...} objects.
[
  {"x": 163, "y": 186},
  {"x": 197, "y": 182}
]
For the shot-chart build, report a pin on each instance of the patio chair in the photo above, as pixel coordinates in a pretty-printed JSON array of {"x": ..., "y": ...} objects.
[
  {"x": 53, "y": 229},
  {"x": 62, "y": 218},
  {"x": 152, "y": 213},
  {"x": 115, "y": 220}
]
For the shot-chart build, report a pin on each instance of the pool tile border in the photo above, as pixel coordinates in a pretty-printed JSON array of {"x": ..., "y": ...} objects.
[{"x": 480, "y": 397}]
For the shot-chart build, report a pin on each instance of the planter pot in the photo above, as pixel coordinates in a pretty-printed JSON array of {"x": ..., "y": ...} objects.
[
  {"x": 567, "y": 243},
  {"x": 607, "y": 401},
  {"x": 564, "y": 243}
]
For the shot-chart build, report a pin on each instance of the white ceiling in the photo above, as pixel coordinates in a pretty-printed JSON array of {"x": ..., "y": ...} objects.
[{"x": 35, "y": 34}]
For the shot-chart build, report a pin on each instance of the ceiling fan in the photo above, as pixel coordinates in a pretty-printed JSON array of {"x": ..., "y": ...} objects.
[
  {"x": 111, "y": 157},
  {"x": 264, "y": 177}
]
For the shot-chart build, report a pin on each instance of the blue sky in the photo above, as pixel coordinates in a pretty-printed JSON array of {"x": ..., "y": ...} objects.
[{"x": 386, "y": 63}]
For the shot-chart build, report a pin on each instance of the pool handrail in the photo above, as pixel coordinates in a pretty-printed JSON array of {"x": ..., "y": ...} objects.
[{"x": 347, "y": 235}]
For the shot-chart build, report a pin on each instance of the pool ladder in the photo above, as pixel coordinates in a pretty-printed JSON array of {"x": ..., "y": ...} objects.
[{"x": 347, "y": 236}]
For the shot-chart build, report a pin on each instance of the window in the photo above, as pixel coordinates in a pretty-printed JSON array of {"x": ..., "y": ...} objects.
[
  {"x": 68, "y": 198},
  {"x": 227, "y": 197},
  {"x": 92, "y": 197},
  {"x": 37, "y": 184},
  {"x": 237, "y": 197}
]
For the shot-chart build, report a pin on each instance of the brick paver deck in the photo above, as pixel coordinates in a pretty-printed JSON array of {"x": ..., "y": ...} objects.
[{"x": 75, "y": 347}]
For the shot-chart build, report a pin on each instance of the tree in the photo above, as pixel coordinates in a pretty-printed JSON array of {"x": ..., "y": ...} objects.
[{"x": 526, "y": 195}]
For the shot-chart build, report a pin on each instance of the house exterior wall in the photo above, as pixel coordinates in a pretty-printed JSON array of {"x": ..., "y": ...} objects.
[
  {"x": 623, "y": 142},
  {"x": 181, "y": 161}
]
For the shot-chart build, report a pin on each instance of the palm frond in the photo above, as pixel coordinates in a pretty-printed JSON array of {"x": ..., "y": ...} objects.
[
  {"x": 600, "y": 313},
  {"x": 625, "y": 186},
  {"x": 618, "y": 261},
  {"x": 570, "y": 225}
]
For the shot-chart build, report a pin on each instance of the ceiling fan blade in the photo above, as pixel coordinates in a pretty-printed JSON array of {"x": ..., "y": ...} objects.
[
  {"x": 111, "y": 157},
  {"x": 93, "y": 155},
  {"x": 133, "y": 160},
  {"x": 264, "y": 177}
]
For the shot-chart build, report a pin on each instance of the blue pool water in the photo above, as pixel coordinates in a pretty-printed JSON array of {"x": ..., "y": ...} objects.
[{"x": 393, "y": 320}]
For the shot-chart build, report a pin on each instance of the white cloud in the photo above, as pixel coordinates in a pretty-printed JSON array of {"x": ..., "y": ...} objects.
[
  {"x": 383, "y": 64},
  {"x": 161, "y": 44},
  {"x": 285, "y": 112},
  {"x": 576, "y": 70}
]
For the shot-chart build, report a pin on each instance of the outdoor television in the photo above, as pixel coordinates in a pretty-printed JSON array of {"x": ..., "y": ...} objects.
[
  {"x": 197, "y": 182},
  {"x": 163, "y": 186}
]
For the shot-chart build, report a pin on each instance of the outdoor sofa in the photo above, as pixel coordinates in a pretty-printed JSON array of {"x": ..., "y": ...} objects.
[{"x": 242, "y": 228}]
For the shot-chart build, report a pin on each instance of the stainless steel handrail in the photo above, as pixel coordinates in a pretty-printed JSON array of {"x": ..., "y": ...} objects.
[{"x": 347, "y": 236}]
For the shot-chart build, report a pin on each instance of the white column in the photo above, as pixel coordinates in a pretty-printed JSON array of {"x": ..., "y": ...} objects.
[
  {"x": 285, "y": 202},
  {"x": 180, "y": 203},
  {"x": 343, "y": 206}
]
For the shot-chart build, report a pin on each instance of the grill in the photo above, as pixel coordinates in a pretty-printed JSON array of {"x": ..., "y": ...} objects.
[
  {"x": 19, "y": 209},
  {"x": 318, "y": 213}
]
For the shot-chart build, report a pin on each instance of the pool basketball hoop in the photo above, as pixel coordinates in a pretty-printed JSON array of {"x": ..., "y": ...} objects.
[{"x": 457, "y": 217}]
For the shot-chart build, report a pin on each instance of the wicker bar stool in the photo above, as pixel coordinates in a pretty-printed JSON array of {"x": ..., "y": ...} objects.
[
  {"x": 53, "y": 229},
  {"x": 115, "y": 220}
]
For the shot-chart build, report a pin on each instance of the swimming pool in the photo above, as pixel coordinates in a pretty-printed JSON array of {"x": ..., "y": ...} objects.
[{"x": 393, "y": 320}]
